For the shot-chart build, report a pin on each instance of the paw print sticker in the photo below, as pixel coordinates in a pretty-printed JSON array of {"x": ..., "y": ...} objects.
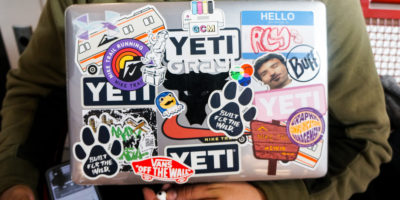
[
  {"x": 98, "y": 153},
  {"x": 230, "y": 111}
]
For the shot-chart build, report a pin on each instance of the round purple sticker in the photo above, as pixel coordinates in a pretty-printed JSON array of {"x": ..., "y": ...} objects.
[
  {"x": 305, "y": 127},
  {"x": 122, "y": 63}
]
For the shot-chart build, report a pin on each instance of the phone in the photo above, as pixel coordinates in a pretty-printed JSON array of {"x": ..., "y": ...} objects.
[{"x": 61, "y": 186}]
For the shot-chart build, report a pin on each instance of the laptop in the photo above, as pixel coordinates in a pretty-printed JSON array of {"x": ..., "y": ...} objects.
[{"x": 200, "y": 91}]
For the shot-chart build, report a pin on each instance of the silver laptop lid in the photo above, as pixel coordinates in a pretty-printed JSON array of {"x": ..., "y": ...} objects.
[{"x": 197, "y": 91}]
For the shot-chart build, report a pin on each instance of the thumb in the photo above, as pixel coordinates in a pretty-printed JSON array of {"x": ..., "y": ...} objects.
[{"x": 149, "y": 194}]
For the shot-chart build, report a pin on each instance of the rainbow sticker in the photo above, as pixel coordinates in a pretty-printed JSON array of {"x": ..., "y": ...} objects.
[
  {"x": 122, "y": 64},
  {"x": 305, "y": 127},
  {"x": 242, "y": 74}
]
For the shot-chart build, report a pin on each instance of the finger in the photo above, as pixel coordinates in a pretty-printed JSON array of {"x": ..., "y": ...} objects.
[
  {"x": 165, "y": 187},
  {"x": 194, "y": 192},
  {"x": 149, "y": 194}
]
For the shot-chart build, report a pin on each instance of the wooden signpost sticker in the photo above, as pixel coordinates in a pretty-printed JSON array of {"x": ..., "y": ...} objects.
[{"x": 270, "y": 142}]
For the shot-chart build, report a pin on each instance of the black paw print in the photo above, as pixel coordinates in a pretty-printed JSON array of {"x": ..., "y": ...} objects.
[
  {"x": 229, "y": 113},
  {"x": 98, "y": 162}
]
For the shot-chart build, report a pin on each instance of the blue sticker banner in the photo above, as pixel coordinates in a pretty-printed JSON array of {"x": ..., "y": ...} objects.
[
  {"x": 97, "y": 91},
  {"x": 286, "y": 18}
]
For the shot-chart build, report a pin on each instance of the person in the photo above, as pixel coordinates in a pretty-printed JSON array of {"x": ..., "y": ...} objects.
[
  {"x": 358, "y": 122},
  {"x": 271, "y": 70}
]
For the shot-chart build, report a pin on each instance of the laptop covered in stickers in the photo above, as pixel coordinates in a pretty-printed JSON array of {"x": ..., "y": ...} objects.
[{"x": 200, "y": 91}]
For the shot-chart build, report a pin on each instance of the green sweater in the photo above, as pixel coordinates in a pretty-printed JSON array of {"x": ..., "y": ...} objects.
[{"x": 358, "y": 123}]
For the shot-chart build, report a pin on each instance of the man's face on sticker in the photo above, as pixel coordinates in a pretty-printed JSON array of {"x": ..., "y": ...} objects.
[{"x": 274, "y": 73}]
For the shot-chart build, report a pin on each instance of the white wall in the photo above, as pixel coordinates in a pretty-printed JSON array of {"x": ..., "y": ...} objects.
[{"x": 17, "y": 13}]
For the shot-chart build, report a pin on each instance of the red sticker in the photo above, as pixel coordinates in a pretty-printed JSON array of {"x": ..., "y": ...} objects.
[{"x": 162, "y": 168}]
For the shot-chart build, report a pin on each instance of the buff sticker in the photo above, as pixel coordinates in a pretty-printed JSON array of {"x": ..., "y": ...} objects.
[
  {"x": 231, "y": 110},
  {"x": 275, "y": 31},
  {"x": 96, "y": 37},
  {"x": 303, "y": 63},
  {"x": 162, "y": 168},
  {"x": 134, "y": 128},
  {"x": 98, "y": 152},
  {"x": 279, "y": 104},
  {"x": 305, "y": 127},
  {"x": 168, "y": 104}
]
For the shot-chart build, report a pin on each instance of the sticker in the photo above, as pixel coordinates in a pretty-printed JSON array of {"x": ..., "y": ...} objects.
[
  {"x": 168, "y": 105},
  {"x": 230, "y": 111},
  {"x": 154, "y": 71},
  {"x": 194, "y": 90},
  {"x": 242, "y": 74},
  {"x": 162, "y": 168},
  {"x": 305, "y": 127},
  {"x": 303, "y": 63},
  {"x": 174, "y": 130},
  {"x": 279, "y": 104},
  {"x": 272, "y": 31},
  {"x": 271, "y": 71},
  {"x": 135, "y": 128},
  {"x": 203, "y": 19},
  {"x": 122, "y": 64},
  {"x": 309, "y": 156},
  {"x": 207, "y": 54},
  {"x": 207, "y": 159},
  {"x": 98, "y": 152},
  {"x": 97, "y": 91},
  {"x": 271, "y": 142},
  {"x": 94, "y": 38}
]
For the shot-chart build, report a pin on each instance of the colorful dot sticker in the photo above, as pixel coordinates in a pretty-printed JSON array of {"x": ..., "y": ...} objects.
[
  {"x": 305, "y": 127},
  {"x": 242, "y": 74}
]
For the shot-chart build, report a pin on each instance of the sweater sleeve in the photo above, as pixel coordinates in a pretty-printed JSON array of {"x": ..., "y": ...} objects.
[
  {"x": 358, "y": 122},
  {"x": 41, "y": 69}
]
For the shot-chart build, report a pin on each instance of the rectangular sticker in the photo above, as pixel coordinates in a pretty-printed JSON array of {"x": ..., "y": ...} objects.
[
  {"x": 280, "y": 103},
  {"x": 275, "y": 31},
  {"x": 207, "y": 159},
  {"x": 97, "y": 91}
]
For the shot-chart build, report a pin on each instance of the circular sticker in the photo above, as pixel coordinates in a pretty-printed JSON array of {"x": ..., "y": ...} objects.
[
  {"x": 122, "y": 63},
  {"x": 303, "y": 63},
  {"x": 305, "y": 127}
]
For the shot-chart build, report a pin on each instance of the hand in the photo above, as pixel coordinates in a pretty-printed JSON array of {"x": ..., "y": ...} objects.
[
  {"x": 18, "y": 192},
  {"x": 218, "y": 191}
]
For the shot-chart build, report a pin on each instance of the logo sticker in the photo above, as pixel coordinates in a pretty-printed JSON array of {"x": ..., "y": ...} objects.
[
  {"x": 303, "y": 63},
  {"x": 162, "y": 168},
  {"x": 207, "y": 159},
  {"x": 122, "y": 64},
  {"x": 305, "y": 127},
  {"x": 97, "y": 91},
  {"x": 278, "y": 104}
]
